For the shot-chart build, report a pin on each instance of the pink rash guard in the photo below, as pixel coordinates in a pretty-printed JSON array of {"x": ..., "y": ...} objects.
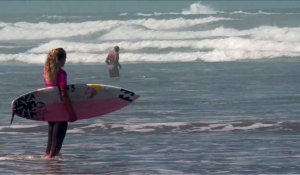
[{"x": 61, "y": 79}]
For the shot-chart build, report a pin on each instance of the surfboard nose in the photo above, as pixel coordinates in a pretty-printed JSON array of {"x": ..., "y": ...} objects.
[{"x": 136, "y": 97}]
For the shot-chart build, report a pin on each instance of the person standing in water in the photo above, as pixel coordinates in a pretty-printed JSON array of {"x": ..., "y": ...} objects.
[
  {"x": 112, "y": 62},
  {"x": 54, "y": 75}
]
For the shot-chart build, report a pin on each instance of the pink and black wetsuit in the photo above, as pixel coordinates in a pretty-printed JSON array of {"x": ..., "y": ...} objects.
[
  {"x": 56, "y": 130},
  {"x": 61, "y": 80}
]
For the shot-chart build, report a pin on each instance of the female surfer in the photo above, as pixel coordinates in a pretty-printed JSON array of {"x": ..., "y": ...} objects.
[
  {"x": 112, "y": 61},
  {"x": 54, "y": 75}
]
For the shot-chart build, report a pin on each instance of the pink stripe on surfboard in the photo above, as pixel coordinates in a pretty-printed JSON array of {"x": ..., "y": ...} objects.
[{"x": 83, "y": 109}]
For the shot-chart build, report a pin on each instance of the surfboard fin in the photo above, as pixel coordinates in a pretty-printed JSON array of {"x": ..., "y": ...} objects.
[{"x": 12, "y": 117}]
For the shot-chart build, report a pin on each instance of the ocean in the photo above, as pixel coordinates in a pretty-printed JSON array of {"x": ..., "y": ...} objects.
[{"x": 219, "y": 85}]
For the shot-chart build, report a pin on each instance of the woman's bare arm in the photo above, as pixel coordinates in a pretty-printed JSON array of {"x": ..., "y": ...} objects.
[{"x": 68, "y": 103}]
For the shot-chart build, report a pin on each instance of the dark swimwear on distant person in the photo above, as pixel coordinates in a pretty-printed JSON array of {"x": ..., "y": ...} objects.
[{"x": 112, "y": 62}]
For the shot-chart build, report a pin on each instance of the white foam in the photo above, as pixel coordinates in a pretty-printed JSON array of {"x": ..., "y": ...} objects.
[
  {"x": 245, "y": 128},
  {"x": 45, "y": 30},
  {"x": 179, "y": 22},
  {"x": 75, "y": 131},
  {"x": 227, "y": 49},
  {"x": 157, "y": 14},
  {"x": 288, "y": 34},
  {"x": 80, "y": 130},
  {"x": 28, "y": 157},
  {"x": 179, "y": 127},
  {"x": 123, "y": 14},
  {"x": 195, "y": 8},
  {"x": 18, "y": 126},
  {"x": 131, "y": 32},
  {"x": 273, "y": 33},
  {"x": 259, "y": 12},
  {"x": 146, "y": 127},
  {"x": 95, "y": 125},
  {"x": 144, "y": 14},
  {"x": 21, "y": 157},
  {"x": 72, "y": 46},
  {"x": 198, "y": 8},
  {"x": 210, "y": 56},
  {"x": 3, "y": 24},
  {"x": 64, "y": 17},
  {"x": 230, "y": 127},
  {"x": 279, "y": 37},
  {"x": 136, "y": 37}
]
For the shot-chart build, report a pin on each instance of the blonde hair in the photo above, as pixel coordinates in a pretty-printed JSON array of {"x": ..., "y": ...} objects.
[{"x": 52, "y": 64}]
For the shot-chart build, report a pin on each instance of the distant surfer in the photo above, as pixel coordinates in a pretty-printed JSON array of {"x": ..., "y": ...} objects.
[
  {"x": 54, "y": 75},
  {"x": 112, "y": 62}
]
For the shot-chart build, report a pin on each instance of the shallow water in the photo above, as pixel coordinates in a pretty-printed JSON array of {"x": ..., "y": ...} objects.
[
  {"x": 218, "y": 82},
  {"x": 220, "y": 118}
]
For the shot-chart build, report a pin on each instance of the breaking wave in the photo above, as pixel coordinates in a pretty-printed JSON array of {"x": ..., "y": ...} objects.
[{"x": 169, "y": 127}]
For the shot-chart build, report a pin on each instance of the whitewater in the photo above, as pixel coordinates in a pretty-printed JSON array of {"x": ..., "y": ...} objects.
[
  {"x": 218, "y": 84},
  {"x": 196, "y": 33}
]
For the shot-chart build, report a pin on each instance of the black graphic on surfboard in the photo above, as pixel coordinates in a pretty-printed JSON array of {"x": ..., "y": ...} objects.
[
  {"x": 25, "y": 106},
  {"x": 126, "y": 95}
]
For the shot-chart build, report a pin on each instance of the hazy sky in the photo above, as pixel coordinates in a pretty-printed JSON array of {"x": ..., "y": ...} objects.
[{"x": 68, "y": 6}]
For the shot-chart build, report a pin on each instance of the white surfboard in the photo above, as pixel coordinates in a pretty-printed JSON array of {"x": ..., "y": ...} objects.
[{"x": 89, "y": 100}]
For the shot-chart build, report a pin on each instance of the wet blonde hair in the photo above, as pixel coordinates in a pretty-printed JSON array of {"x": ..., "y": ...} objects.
[{"x": 52, "y": 64}]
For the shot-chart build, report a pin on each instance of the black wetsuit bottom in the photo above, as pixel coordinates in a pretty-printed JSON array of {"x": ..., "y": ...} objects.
[
  {"x": 114, "y": 72},
  {"x": 56, "y": 134}
]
